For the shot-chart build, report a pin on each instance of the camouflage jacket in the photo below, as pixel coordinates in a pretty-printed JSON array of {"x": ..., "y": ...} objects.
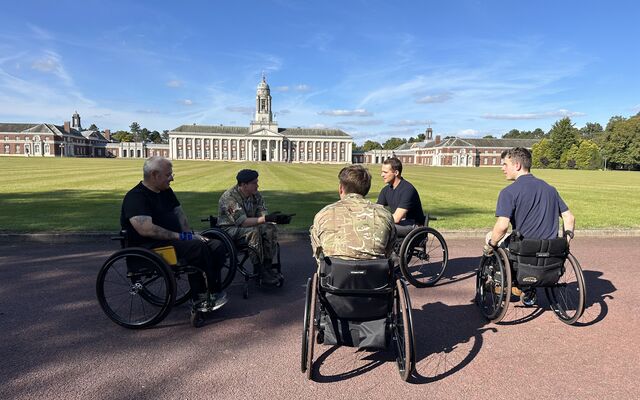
[
  {"x": 353, "y": 229},
  {"x": 234, "y": 208}
]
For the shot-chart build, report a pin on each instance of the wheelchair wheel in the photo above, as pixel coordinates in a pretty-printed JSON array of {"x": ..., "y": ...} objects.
[
  {"x": 228, "y": 271},
  {"x": 183, "y": 288},
  {"x": 309, "y": 326},
  {"x": 135, "y": 288},
  {"x": 402, "y": 330},
  {"x": 493, "y": 285},
  {"x": 423, "y": 257},
  {"x": 567, "y": 297}
]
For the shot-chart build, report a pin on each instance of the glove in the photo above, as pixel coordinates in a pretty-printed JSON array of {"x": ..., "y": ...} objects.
[
  {"x": 487, "y": 250},
  {"x": 278, "y": 218},
  {"x": 273, "y": 217}
]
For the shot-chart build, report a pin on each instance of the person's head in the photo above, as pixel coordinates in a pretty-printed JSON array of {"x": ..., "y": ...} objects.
[
  {"x": 157, "y": 173},
  {"x": 354, "y": 179},
  {"x": 515, "y": 162},
  {"x": 391, "y": 170},
  {"x": 248, "y": 181}
]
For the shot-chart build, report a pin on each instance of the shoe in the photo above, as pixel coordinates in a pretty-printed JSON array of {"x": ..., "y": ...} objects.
[
  {"x": 267, "y": 278},
  {"x": 197, "y": 318},
  {"x": 529, "y": 298},
  {"x": 217, "y": 300}
]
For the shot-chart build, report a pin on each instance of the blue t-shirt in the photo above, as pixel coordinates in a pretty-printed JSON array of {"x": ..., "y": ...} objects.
[
  {"x": 533, "y": 207},
  {"x": 403, "y": 196}
]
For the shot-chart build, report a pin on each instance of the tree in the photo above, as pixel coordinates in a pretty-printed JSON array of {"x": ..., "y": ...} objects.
[
  {"x": 512, "y": 134},
  {"x": 93, "y": 127},
  {"x": 568, "y": 158},
  {"x": 143, "y": 135},
  {"x": 621, "y": 142},
  {"x": 393, "y": 143},
  {"x": 155, "y": 137},
  {"x": 371, "y": 145},
  {"x": 563, "y": 135},
  {"x": 540, "y": 154},
  {"x": 123, "y": 136},
  {"x": 135, "y": 130},
  {"x": 538, "y": 134},
  {"x": 588, "y": 155},
  {"x": 591, "y": 130},
  {"x": 165, "y": 136},
  {"x": 488, "y": 137}
]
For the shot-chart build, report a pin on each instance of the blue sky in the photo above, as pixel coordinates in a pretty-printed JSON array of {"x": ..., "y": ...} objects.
[{"x": 374, "y": 69}]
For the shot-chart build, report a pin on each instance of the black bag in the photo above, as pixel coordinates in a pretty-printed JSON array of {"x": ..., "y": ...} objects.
[{"x": 538, "y": 262}]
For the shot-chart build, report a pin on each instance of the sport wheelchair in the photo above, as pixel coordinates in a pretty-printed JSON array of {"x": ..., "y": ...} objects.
[
  {"x": 529, "y": 264},
  {"x": 423, "y": 255},
  {"x": 360, "y": 304},
  {"x": 239, "y": 253},
  {"x": 137, "y": 287}
]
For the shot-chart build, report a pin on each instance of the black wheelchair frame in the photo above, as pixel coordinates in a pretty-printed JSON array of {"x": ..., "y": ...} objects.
[
  {"x": 397, "y": 318},
  {"x": 238, "y": 254},
  {"x": 137, "y": 288},
  {"x": 495, "y": 278},
  {"x": 423, "y": 255}
]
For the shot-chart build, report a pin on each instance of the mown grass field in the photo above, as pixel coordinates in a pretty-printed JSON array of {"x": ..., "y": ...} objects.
[{"x": 38, "y": 195}]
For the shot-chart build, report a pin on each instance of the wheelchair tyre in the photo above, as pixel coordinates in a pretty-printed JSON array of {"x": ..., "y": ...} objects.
[
  {"x": 567, "y": 297},
  {"x": 309, "y": 326},
  {"x": 229, "y": 268},
  {"x": 402, "y": 330},
  {"x": 493, "y": 285},
  {"x": 135, "y": 288},
  {"x": 423, "y": 257},
  {"x": 183, "y": 288}
]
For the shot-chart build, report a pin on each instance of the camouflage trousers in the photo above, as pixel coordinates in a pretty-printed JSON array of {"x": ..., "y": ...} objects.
[{"x": 262, "y": 238}]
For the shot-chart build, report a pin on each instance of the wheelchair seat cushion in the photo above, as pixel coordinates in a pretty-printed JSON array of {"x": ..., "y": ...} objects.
[{"x": 538, "y": 262}]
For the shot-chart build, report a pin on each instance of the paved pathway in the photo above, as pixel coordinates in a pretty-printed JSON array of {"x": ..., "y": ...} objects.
[{"x": 55, "y": 342}]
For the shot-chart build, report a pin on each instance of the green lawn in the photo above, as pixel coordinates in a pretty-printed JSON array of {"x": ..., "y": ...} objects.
[{"x": 85, "y": 194}]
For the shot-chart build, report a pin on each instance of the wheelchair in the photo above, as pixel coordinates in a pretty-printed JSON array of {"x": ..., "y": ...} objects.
[
  {"x": 529, "y": 264},
  {"x": 136, "y": 287},
  {"x": 239, "y": 253},
  {"x": 362, "y": 304},
  {"x": 423, "y": 255}
]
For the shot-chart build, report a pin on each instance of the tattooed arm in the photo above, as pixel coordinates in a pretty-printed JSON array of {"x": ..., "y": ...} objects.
[
  {"x": 145, "y": 227},
  {"x": 182, "y": 217}
]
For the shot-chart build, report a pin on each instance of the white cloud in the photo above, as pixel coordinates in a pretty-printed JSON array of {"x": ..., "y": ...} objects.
[
  {"x": 468, "y": 132},
  {"x": 436, "y": 98},
  {"x": 175, "y": 83},
  {"x": 51, "y": 62},
  {"x": 364, "y": 122},
  {"x": 561, "y": 113},
  {"x": 302, "y": 88},
  {"x": 281, "y": 89},
  {"x": 359, "y": 112},
  {"x": 240, "y": 109},
  {"x": 413, "y": 122},
  {"x": 186, "y": 102}
]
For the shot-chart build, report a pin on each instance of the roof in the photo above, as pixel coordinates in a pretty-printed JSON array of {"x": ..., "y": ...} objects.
[
  {"x": 243, "y": 131},
  {"x": 10, "y": 127},
  {"x": 463, "y": 142}
]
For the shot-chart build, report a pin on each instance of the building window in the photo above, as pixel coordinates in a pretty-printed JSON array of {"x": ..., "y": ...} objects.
[
  {"x": 485, "y": 161},
  {"x": 124, "y": 153},
  {"x": 6, "y": 149},
  {"x": 17, "y": 149}
]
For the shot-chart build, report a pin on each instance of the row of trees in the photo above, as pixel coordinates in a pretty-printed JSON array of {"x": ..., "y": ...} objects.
[
  {"x": 138, "y": 134},
  {"x": 390, "y": 144}
]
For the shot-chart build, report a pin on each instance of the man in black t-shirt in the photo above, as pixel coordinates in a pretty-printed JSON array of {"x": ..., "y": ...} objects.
[
  {"x": 153, "y": 217},
  {"x": 401, "y": 197}
]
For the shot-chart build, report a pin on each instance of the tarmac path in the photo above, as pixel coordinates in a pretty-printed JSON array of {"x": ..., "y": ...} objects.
[{"x": 55, "y": 342}]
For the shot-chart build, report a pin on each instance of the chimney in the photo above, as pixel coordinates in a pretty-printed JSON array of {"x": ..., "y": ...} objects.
[
  {"x": 107, "y": 134},
  {"x": 437, "y": 139},
  {"x": 67, "y": 126}
]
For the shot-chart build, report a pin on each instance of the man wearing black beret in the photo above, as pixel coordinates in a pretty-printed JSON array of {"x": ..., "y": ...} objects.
[{"x": 243, "y": 215}]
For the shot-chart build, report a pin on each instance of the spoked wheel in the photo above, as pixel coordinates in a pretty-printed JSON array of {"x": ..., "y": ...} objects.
[
  {"x": 135, "y": 288},
  {"x": 423, "y": 257},
  {"x": 228, "y": 271},
  {"x": 309, "y": 327},
  {"x": 493, "y": 286},
  {"x": 567, "y": 297},
  {"x": 183, "y": 288},
  {"x": 402, "y": 330}
]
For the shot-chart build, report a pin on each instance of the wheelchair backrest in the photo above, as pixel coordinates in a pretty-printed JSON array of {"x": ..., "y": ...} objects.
[
  {"x": 356, "y": 289},
  {"x": 538, "y": 262}
]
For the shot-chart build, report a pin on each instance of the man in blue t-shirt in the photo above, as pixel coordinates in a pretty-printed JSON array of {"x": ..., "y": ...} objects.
[
  {"x": 401, "y": 197},
  {"x": 529, "y": 204}
]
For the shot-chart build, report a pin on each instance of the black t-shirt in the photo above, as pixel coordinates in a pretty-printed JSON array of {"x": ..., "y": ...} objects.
[
  {"x": 403, "y": 196},
  {"x": 159, "y": 206},
  {"x": 533, "y": 207}
]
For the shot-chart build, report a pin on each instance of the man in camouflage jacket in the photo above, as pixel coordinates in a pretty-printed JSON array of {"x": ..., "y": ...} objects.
[
  {"x": 353, "y": 228},
  {"x": 244, "y": 216}
]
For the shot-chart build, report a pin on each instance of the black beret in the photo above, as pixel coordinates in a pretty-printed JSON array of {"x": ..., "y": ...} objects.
[{"x": 246, "y": 176}]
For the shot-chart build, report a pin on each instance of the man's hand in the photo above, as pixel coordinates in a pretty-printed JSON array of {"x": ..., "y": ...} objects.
[
  {"x": 278, "y": 218},
  {"x": 197, "y": 236},
  {"x": 487, "y": 250}
]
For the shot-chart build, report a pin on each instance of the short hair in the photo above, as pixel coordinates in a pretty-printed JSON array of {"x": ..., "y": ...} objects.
[
  {"x": 395, "y": 163},
  {"x": 152, "y": 164},
  {"x": 355, "y": 179},
  {"x": 520, "y": 155}
]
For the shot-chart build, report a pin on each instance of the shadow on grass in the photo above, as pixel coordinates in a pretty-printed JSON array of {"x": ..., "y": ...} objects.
[{"x": 69, "y": 210}]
